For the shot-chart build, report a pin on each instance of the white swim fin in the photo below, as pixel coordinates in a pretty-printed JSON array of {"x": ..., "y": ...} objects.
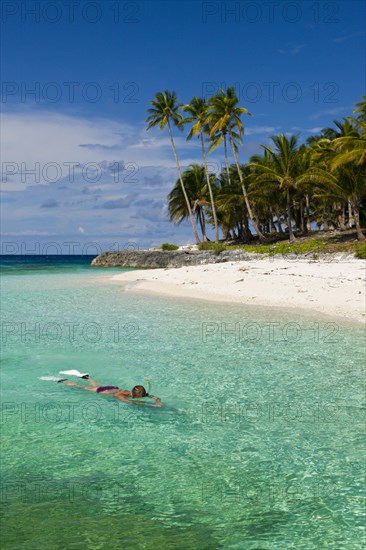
[{"x": 74, "y": 372}]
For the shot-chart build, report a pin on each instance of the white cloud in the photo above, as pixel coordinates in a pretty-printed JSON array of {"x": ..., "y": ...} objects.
[
  {"x": 28, "y": 233},
  {"x": 56, "y": 145},
  {"x": 157, "y": 142},
  {"x": 343, "y": 38},
  {"x": 293, "y": 50},
  {"x": 331, "y": 112},
  {"x": 253, "y": 130},
  {"x": 105, "y": 208}
]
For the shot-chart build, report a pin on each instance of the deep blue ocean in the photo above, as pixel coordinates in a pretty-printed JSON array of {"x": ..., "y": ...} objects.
[{"x": 260, "y": 443}]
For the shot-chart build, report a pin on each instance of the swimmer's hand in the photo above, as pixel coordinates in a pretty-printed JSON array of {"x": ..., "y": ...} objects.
[{"x": 157, "y": 400}]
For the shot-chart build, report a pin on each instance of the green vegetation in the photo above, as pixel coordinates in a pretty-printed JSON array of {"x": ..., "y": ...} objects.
[
  {"x": 216, "y": 247},
  {"x": 360, "y": 251},
  {"x": 310, "y": 246},
  {"x": 314, "y": 246},
  {"x": 342, "y": 242},
  {"x": 168, "y": 246},
  {"x": 288, "y": 191}
]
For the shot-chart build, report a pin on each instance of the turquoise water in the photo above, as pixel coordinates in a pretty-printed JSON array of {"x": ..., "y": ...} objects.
[{"x": 259, "y": 445}]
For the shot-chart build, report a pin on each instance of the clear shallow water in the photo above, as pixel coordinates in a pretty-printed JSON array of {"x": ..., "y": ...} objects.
[{"x": 260, "y": 443}]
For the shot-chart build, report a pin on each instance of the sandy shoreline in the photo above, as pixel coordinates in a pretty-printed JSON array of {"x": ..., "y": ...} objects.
[{"x": 333, "y": 287}]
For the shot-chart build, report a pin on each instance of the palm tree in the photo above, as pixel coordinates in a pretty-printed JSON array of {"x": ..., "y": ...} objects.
[
  {"x": 337, "y": 186},
  {"x": 345, "y": 184},
  {"x": 322, "y": 155},
  {"x": 304, "y": 191},
  {"x": 265, "y": 190},
  {"x": 225, "y": 119},
  {"x": 361, "y": 109},
  {"x": 164, "y": 110},
  {"x": 283, "y": 170},
  {"x": 352, "y": 147},
  {"x": 196, "y": 188},
  {"x": 198, "y": 111},
  {"x": 231, "y": 207},
  {"x": 349, "y": 151},
  {"x": 216, "y": 140},
  {"x": 345, "y": 128}
]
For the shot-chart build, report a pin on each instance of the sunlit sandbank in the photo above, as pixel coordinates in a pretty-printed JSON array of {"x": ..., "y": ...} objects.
[{"x": 333, "y": 286}]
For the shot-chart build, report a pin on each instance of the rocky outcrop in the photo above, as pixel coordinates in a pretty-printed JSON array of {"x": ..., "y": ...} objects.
[{"x": 151, "y": 259}]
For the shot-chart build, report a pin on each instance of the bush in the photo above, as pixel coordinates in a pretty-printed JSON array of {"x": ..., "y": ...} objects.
[
  {"x": 168, "y": 246},
  {"x": 360, "y": 251},
  {"x": 216, "y": 247}
]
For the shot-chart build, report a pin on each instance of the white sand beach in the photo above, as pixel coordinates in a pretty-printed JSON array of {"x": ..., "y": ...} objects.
[{"x": 333, "y": 286}]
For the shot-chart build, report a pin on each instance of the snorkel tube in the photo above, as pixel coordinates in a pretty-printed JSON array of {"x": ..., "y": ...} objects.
[{"x": 148, "y": 382}]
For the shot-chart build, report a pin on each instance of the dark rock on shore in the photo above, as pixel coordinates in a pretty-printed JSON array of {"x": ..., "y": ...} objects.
[{"x": 151, "y": 259}]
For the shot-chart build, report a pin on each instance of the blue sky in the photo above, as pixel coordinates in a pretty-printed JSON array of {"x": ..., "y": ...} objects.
[{"x": 77, "y": 78}]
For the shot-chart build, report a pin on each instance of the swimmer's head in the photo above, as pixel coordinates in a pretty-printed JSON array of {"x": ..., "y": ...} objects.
[{"x": 138, "y": 391}]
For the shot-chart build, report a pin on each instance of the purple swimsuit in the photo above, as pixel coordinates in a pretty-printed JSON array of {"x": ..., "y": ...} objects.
[{"x": 106, "y": 388}]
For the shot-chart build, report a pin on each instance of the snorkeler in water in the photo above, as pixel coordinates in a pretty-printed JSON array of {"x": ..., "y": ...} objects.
[{"x": 123, "y": 395}]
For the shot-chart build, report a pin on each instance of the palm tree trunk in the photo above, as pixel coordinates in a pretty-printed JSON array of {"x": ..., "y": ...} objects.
[
  {"x": 210, "y": 190},
  {"x": 350, "y": 217},
  {"x": 239, "y": 229},
  {"x": 302, "y": 220},
  {"x": 250, "y": 213},
  {"x": 183, "y": 188},
  {"x": 225, "y": 232},
  {"x": 341, "y": 217},
  {"x": 356, "y": 212},
  {"x": 296, "y": 215},
  {"x": 326, "y": 218},
  {"x": 280, "y": 230},
  {"x": 308, "y": 222},
  {"x": 247, "y": 233},
  {"x": 344, "y": 215},
  {"x": 203, "y": 224},
  {"x": 291, "y": 235},
  {"x": 226, "y": 161},
  {"x": 272, "y": 227}
]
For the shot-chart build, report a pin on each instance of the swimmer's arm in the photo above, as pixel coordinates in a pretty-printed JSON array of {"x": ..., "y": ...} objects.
[
  {"x": 135, "y": 402},
  {"x": 157, "y": 401}
]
